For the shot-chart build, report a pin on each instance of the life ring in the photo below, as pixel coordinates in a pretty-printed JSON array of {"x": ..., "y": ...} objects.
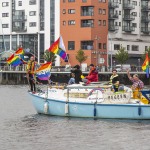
[{"x": 95, "y": 89}]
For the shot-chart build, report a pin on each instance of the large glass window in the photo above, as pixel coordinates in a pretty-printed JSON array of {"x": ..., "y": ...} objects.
[{"x": 87, "y": 45}]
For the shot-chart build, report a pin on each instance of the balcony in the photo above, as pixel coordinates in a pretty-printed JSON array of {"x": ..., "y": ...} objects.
[
  {"x": 145, "y": 30},
  {"x": 113, "y": 16},
  {"x": 145, "y": 8},
  {"x": 128, "y": 6},
  {"x": 19, "y": 29},
  {"x": 128, "y": 28},
  {"x": 87, "y": 13},
  {"x": 19, "y": 18},
  {"x": 145, "y": 19},
  {"x": 113, "y": 28},
  {"x": 128, "y": 17},
  {"x": 113, "y": 5}
]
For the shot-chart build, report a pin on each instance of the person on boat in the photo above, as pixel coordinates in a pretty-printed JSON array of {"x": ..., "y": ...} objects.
[
  {"x": 77, "y": 72},
  {"x": 137, "y": 84},
  {"x": 72, "y": 79},
  {"x": 92, "y": 76},
  {"x": 30, "y": 73},
  {"x": 114, "y": 81}
]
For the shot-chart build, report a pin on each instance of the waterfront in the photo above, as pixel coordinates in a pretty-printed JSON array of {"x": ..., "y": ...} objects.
[{"x": 22, "y": 128}]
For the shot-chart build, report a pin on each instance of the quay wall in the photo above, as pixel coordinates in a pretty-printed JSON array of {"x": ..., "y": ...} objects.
[{"x": 19, "y": 77}]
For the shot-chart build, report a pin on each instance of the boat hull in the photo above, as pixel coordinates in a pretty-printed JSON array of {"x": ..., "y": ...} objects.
[{"x": 90, "y": 110}]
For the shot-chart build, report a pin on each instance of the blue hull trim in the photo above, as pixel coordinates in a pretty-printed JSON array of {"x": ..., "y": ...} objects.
[{"x": 89, "y": 110}]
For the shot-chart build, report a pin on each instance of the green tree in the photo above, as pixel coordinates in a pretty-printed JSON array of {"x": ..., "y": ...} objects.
[
  {"x": 122, "y": 55},
  {"x": 49, "y": 56},
  {"x": 80, "y": 57}
]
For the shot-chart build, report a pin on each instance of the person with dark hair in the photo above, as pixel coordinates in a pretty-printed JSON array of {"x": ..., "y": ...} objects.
[
  {"x": 114, "y": 81},
  {"x": 137, "y": 84},
  {"x": 92, "y": 76},
  {"x": 76, "y": 70}
]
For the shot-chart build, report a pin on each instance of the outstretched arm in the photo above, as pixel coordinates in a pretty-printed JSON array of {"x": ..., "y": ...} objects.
[{"x": 128, "y": 74}]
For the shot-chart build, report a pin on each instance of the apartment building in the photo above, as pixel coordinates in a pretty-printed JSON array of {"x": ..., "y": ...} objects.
[
  {"x": 32, "y": 24},
  {"x": 129, "y": 27},
  {"x": 84, "y": 25}
]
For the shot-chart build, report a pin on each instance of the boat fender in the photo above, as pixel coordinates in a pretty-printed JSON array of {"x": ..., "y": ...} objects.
[
  {"x": 66, "y": 108},
  {"x": 94, "y": 111},
  {"x": 139, "y": 111},
  {"x": 46, "y": 107}
]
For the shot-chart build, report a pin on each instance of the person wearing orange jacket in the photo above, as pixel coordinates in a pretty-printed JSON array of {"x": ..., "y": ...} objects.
[
  {"x": 30, "y": 73},
  {"x": 92, "y": 76}
]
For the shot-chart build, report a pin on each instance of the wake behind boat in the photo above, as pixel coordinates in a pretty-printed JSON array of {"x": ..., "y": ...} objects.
[{"x": 92, "y": 101}]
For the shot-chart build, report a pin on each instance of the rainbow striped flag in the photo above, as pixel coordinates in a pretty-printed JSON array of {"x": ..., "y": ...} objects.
[
  {"x": 58, "y": 48},
  {"x": 43, "y": 73},
  {"x": 14, "y": 59},
  {"x": 145, "y": 66}
]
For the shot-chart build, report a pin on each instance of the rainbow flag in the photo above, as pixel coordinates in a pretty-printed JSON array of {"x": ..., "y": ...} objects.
[
  {"x": 43, "y": 73},
  {"x": 145, "y": 66},
  {"x": 14, "y": 59},
  {"x": 58, "y": 48}
]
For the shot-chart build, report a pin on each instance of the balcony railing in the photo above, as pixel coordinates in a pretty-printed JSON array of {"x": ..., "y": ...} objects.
[
  {"x": 128, "y": 6},
  {"x": 145, "y": 30},
  {"x": 145, "y": 19},
  {"x": 87, "y": 14},
  {"x": 128, "y": 17},
  {"x": 87, "y": 24},
  {"x": 19, "y": 18},
  {"x": 128, "y": 28},
  {"x": 145, "y": 8},
  {"x": 113, "y": 28},
  {"x": 19, "y": 29},
  {"x": 113, "y": 5},
  {"x": 113, "y": 16}
]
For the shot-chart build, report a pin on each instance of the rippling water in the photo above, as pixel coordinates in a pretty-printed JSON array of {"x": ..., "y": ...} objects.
[{"x": 21, "y": 128}]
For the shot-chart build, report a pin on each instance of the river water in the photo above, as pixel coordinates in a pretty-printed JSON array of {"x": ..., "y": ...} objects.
[{"x": 21, "y": 128}]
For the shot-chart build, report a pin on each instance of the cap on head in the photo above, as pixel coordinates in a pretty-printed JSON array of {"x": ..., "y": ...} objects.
[{"x": 114, "y": 70}]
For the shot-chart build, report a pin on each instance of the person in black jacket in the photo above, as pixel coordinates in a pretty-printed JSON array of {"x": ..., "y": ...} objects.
[{"x": 76, "y": 70}]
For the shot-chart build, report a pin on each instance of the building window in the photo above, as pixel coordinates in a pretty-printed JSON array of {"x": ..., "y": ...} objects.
[
  {"x": 120, "y": 24},
  {"x": 19, "y": 3},
  {"x": 71, "y": 11},
  {"x": 116, "y": 46},
  {"x": 135, "y": 48},
  {"x": 64, "y": 1},
  {"x": 128, "y": 47},
  {"x": 71, "y": 22},
  {"x": 104, "y": 46},
  {"x": 104, "y": 22},
  {"x": 71, "y": 45},
  {"x": 64, "y": 23},
  {"x": 87, "y": 45},
  {"x": 5, "y": 25},
  {"x": 99, "y": 46},
  {"x": 71, "y": 0},
  {"x": 84, "y": 1},
  {"x": 32, "y": 2},
  {"x": 119, "y": 12},
  {"x": 100, "y": 0},
  {"x": 104, "y": 1},
  {"x": 32, "y": 13},
  {"x": 87, "y": 11},
  {"x": 32, "y": 24},
  {"x": 134, "y": 25},
  {"x": 64, "y": 11},
  {"x": 5, "y": 4},
  {"x": 119, "y": 1},
  {"x": 100, "y": 11},
  {"x": 104, "y": 11},
  {"x": 99, "y": 22},
  {"x": 134, "y": 14},
  {"x": 5, "y": 14},
  {"x": 134, "y": 3},
  {"x": 146, "y": 47},
  {"x": 87, "y": 23}
]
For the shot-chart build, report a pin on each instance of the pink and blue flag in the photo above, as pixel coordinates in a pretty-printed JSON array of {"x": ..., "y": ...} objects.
[{"x": 43, "y": 73}]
